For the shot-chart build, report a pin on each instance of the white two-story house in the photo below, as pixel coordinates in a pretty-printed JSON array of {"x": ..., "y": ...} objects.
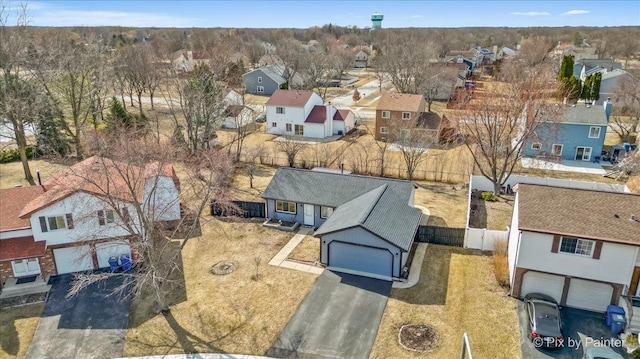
[
  {"x": 80, "y": 217},
  {"x": 303, "y": 113},
  {"x": 582, "y": 247}
]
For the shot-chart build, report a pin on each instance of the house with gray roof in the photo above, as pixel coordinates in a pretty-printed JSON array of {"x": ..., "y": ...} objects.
[
  {"x": 577, "y": 135},
  {"x": 267, "y": 79},
  {"x": 367, "y": 225}
]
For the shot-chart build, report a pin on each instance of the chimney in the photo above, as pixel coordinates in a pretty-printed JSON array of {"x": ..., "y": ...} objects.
[
  {"x": 329, "y": 119},
  {"x": 39, "y": 178},
  {"x": 607, "y": 107},
  {"x": 190, "y": 55}
]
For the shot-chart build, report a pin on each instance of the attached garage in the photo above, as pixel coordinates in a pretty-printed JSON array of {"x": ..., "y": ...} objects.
[
  {"x": 589, "y": 295},
  {"x": 73, "y": 259},
  {"x": 360, "y": 258},
  {"x": 106, "y": 250},
  {"x": 536, "y": 282}
]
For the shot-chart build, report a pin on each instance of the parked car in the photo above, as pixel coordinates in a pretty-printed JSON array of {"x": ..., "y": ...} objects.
[
  {"x": 545, "y": 323},
  {"x": 601, "y": 353},
  {"x": 261, "y": 118}
]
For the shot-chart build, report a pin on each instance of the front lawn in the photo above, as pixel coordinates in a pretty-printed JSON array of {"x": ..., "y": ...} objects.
[
  {"x": 457, "y": 294},
  {"x": 241, "y": 312},
  {"x": 308, "y": 250},
  {"x": 17, "y": 327}
]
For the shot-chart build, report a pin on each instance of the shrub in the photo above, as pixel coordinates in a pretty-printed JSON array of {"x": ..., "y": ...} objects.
[
  {"x": 489, "y": 196},
  {"x": 501, "y": 263},
  {"x": 13, "y": 155}
]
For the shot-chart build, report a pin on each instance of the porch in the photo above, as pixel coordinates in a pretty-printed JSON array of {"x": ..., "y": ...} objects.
[
  {"x": 563, "y": 165},
  {"x": 14, "y": 287}
]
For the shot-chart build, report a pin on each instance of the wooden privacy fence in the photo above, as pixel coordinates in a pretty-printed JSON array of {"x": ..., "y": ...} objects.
[
  {"x": 441, "y": 235},
  {"x": 246, "y": 210}
]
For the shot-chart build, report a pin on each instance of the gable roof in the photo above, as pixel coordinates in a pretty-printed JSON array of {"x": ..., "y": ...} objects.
[
  {"x": 341, "y": 115},
  {"x": 429, "y": 121},
  {"x": 99, "y": 176},
  {"x": 317, "y": 115},
  {"x": 21, "y": 247},
  {"x": 289, "y": 98},
  {"x": 12, "y": 201},
  {"x": 379, "y": 205},
  {"x": 234, "y": 110},
  {"x": 593, "y": 115},
  {"x": 578, "y": 212},
  {"x": 392, "y": 101}
]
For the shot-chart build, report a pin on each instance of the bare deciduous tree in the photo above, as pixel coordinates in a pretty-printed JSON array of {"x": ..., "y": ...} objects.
[
  {"x": 626, "y": 111},
  {"x": 291, "y": 148}
]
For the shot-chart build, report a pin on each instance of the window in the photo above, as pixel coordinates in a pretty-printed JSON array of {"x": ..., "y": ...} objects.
[
  {"x": 576, "y": 246},
  {"x": 106, "y": 216},
  {"x": 260, "y": 89},
  {"x": 325, "y": 212},
  {"x": 300, "y": 130},
  {"x": 536, "y": 146},
  {"x": 288, "y": 127},
  {"x": 556, "y": 150},
  {"x": 594, "y": 132},
  {"x": 286, "y": 207},
  {"x": 280, "y": 110},
  {"x": 259, "y": 79},
  {"x": 384, "y": 130},
  {"x": 406, "y": 115},
  {"x": 386, "y": 114},
  {"x": 56, "y": 223},
  {"x": 274, "y": 124}
]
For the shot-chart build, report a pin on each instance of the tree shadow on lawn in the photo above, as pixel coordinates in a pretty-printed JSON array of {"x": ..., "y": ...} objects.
[
  {"x": 478, "y": 213},
  {"x": 9, "y": 336},
  {"x": 437, "y": 221},
  {"x": 432, "y": 287}
]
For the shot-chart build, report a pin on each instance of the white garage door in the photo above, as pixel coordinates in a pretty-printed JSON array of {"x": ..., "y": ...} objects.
[
  {"x": 104, "y": 251},
  {"x": 377, "y": 261},
  {"x": 536, "y": 282},
  {"x": 585, "y": 294},
  {"x": 73, "y": 259}
]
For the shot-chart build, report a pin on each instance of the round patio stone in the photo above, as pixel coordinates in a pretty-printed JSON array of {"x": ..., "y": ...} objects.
[
  {"x": 224, "y": 267},
  {"x": 418, "y": 337}
]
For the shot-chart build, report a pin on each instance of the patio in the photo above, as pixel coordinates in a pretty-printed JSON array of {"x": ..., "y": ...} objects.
[{"x": 563, "y": 165}]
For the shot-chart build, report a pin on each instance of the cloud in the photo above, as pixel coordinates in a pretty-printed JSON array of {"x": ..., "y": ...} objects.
[
  {"x": 531, "y": 13},
  {"x": 110, "y": 18},
  {"x": 576, "y": 12},
  {"x": 416, "y": 16}
]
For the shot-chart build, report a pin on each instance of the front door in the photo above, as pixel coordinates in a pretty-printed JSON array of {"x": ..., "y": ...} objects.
[
  {"x": 308, "y": 215},
  {"x": 633, "y": 286},
  {"x": 583, "y": 153},
  {"x": 25, "y": 267}
]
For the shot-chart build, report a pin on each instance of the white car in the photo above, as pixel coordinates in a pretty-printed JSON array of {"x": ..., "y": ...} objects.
[{"x": 601, "y": 353}]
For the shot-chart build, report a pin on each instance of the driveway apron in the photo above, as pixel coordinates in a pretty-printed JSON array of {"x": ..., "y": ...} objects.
[
  {"x": 338, "y": 318},
  {"x": 89, "y": 325}
]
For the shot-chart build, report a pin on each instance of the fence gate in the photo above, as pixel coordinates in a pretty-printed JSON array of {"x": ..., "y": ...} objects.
[{"x": 440, "y": 235}]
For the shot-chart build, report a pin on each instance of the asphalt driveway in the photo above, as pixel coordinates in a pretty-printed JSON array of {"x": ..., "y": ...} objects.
[
  {"x": 338, "y": 318},
  {"x": 581, "y": 328},
  {"x": 90, "y": 325}
]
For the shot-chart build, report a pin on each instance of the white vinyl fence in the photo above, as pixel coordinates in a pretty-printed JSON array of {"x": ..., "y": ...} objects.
[{"x": 484, "y": 239}]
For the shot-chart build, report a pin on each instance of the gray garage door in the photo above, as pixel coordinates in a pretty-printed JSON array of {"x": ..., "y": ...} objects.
[{"x": 378, "y": 261}]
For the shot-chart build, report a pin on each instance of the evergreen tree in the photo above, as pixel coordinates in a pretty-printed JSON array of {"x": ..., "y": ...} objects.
[
  {"x": 595, "y": 86},
  {"x": 585, "y": 94},
  {"x": 50, "y": 140},
  {"x": 118, "y": 116},
  {"x": 566, "y": 68}
]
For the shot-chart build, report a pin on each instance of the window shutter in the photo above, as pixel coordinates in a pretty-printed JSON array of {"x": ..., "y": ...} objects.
[
  {"x": 101, "y": 217},
  {"x": 43, "y": 224},
  {"x": 556, "y": 244},
  {"x": 597, "y": 250},
  {"x": 69, "y": 220},
  {"x": 125, "y": 215}
]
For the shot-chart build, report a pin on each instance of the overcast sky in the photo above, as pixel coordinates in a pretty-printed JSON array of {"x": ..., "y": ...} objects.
[{"x": 303, "y": 14}]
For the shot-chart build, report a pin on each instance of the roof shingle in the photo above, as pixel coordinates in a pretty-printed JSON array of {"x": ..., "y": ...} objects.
[
  {"x": 21, "y": 247},
  {"x": 12, "y": 201},
  {"x": 392, "y": 101},
  {"x": 289, "y": 98}
]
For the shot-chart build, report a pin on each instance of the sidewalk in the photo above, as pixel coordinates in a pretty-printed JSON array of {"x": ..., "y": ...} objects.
[{"x": 280, "y": 259}]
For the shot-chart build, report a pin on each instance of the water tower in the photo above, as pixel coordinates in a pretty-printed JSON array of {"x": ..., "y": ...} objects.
[{"x": 376, "y": 20}]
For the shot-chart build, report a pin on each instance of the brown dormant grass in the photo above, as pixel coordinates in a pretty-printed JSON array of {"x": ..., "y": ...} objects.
[
  {"x": 457, "y": 294},
  {"x": 448, "y": 205},
  {"x": 307, "y": 251},
  {"x": 17, "y": 327},
  {"x": 11, "y": 174},
  {"x": 231, "y": 313}
]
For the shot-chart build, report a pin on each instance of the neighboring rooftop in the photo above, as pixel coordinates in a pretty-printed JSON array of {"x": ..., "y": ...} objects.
[
  {"x": 579, "y": 212},
  {"x": 393, "y": 101},
  {"x": 341, "y": 115},
  {"x": 317, "y": 115},
  {"x": 378, "y": 204},
  {"x": 289, "y": 98}
]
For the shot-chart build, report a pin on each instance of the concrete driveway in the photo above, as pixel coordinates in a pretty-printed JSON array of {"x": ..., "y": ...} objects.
[
  {"x": 338, "y": 318},
  {"x": 89, "y": 325},
  {"x": 581, "y": 328}
]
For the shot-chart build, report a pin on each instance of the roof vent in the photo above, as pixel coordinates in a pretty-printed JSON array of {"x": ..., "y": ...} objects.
[{"x": 17, "y": 185}]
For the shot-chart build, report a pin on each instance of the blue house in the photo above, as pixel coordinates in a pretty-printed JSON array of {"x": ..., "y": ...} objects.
[
  {"x": 578, "y": 135},
  {"x": 267, "y": 79},
  {"x": 367, "y": 225}
]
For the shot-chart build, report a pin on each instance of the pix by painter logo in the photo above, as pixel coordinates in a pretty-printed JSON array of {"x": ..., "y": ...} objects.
[{"x": 548, "y": 342}]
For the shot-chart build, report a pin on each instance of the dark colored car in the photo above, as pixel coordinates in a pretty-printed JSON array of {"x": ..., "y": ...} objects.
[
  {"x": 261, "y": 118},
  {"x": 545, "y": 323}
]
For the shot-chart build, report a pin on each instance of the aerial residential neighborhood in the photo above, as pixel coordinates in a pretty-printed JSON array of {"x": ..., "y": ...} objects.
[{"x": 320, "y": 179}]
